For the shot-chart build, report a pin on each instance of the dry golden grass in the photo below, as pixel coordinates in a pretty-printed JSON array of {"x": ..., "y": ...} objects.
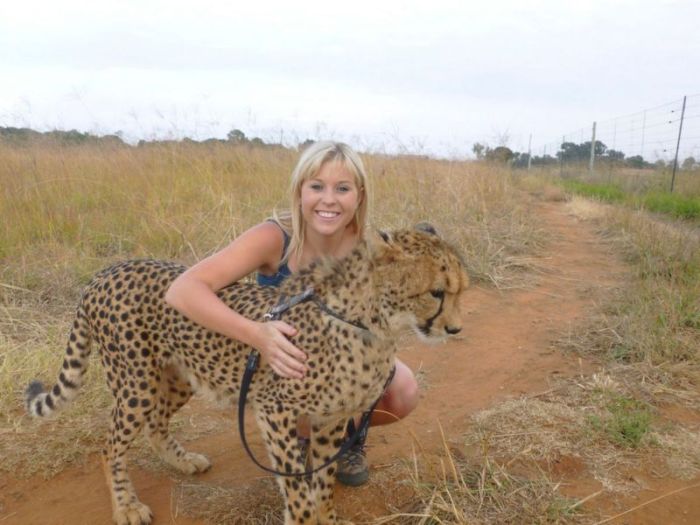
[
  {"x": 599, "y": 421},
  {"x": 258, "y": 503},
  {"x": 586, "y": 209},
  {"x": 458, "y": 486},
  {"x": 655, "y": 318},
  {"x": 31, "y": 343},
  {"x": 78, "y": 207}
]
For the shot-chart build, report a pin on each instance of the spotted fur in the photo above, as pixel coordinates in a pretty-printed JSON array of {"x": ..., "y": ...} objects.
[{"x": 155, "y": 358}]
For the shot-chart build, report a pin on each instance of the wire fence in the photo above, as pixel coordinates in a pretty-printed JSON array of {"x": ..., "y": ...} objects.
[{"x": 666, "y": 136}]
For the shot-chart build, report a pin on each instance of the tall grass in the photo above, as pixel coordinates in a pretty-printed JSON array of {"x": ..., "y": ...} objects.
[
  {"x": 650, "y": 328},
  {"x": 480, "y": 491},
  {"x": 75, "y": 208},
  {"x": 82, "y": 206},
  {"x": 659, "y": 314},
  {"x": 672, "y": 204}
]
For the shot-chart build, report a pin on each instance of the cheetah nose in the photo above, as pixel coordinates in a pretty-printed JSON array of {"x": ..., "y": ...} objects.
[{"x": 453, "y": 331}]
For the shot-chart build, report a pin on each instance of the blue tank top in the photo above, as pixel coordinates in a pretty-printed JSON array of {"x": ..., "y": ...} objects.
[{"x": 282, "y": 271}]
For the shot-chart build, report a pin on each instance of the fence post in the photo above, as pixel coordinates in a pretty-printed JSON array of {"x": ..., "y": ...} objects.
[
  {"x": 678, "y": 144},
  {"x": 591, "y": 162},
  {"x": 561, "y": 157},
  {"x": 644, "y": 128},
  {"x": 610, "y": 159}
]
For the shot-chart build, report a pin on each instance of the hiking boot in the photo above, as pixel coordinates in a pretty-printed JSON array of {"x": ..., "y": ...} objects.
[{"x": 353, "y": 469}]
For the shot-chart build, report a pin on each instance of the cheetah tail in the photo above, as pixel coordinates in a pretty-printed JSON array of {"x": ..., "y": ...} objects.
[{"x": 41, "y": 403}]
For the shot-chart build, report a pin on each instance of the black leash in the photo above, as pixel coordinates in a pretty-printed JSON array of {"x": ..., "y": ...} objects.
[{"x": 252, "y": 365}]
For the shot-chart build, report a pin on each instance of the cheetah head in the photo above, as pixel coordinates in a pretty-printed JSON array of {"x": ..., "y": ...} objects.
[{"x": 421, "y": 279}]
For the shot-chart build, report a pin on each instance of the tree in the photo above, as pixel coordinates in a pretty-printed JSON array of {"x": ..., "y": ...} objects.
[
  {"x": 615, "y": 155},
  {"x": 305, "y": 144},
  {"x": 236, "y": 136},
  {"x": 520, "y": 160},
  {"x": 545, "y": 160},
  {"x": 636, "y": 161},
  {"x": 689, "y": 163},
  {"x": 478, "y": 150},
  {"x": 500, "y": 154},
  {"x": 570, "y": 151}
]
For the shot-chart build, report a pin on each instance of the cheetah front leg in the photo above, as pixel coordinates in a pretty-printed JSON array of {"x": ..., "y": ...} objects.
[
  {"x": 326, "y": 440},
  {"x": 173, "y": 393},
  {"x": 278, "y": 429}
]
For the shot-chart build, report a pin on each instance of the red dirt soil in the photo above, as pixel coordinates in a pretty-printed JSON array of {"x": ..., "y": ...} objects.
[{"x": 506, "y": 351}]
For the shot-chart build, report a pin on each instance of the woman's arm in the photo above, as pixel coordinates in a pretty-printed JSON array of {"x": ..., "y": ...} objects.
[{"x": 193, "y": 294}]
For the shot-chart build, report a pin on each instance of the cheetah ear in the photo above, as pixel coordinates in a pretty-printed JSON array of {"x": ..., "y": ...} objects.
[
  {"x": 426, "y": 227},
  {"x": 383, "y": 247}
]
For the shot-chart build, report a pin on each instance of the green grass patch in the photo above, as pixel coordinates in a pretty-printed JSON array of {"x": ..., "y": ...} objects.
[
  {"x": 626, "y": 421},
  {"x": 603, "y": 192},
  {"x": 674, "y": 204},
  {"x": 677, "y": 205}
]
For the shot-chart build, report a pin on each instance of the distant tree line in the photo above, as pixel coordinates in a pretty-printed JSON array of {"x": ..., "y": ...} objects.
[
  {"x": 571, "y": 152},
  {"x": 26, "y": 135},
  {"x": 568, "y": 152},
  {"x": 23, "y": 136}
]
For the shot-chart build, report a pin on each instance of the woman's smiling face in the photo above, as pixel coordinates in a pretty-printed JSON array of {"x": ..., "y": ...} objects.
[{"x": 329, "y": 200}]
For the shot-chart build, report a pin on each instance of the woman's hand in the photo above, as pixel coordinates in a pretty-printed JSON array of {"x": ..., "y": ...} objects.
[{"x": 276, "y": 350}]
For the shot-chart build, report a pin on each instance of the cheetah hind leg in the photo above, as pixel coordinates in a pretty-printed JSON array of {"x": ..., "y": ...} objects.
[
  {"x": 126, "y": 507},
  {"x": 173, "y": 393}
]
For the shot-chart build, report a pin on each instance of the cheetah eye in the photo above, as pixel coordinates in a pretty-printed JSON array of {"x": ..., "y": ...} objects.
[{"x": 438, "y": 294}]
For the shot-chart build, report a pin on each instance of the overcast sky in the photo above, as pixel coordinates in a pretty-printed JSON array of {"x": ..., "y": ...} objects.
[{"x": 430, "y": 75}]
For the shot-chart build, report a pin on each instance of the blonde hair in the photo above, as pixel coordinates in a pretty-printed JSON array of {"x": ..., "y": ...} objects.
[{"x": 308, "y": 166}]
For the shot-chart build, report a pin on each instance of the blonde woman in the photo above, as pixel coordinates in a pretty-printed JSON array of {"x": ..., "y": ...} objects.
[{"x": 327, "y": 218}]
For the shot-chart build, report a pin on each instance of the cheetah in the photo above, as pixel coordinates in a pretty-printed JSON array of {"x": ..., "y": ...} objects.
[{"x": 155, "y": 358}]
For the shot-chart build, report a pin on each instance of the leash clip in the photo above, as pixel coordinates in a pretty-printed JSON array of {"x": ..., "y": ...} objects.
[
  {"x": 285, "y": 304},
  {"x": 253, "y": 361}
]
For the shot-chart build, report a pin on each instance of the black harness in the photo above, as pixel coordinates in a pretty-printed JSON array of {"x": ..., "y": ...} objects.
[{"x": 274, "y": 314}]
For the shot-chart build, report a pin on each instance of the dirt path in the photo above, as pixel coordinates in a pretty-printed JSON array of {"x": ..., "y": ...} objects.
[{"x": 506, "y": 351}]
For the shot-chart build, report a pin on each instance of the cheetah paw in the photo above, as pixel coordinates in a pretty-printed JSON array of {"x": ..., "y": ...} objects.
[
  {"x": 135, "y": 513},
  {"x": 193, "y": 463}
]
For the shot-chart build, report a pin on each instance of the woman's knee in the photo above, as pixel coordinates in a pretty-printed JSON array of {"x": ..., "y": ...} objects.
[{"x": 402, "y": 394}]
